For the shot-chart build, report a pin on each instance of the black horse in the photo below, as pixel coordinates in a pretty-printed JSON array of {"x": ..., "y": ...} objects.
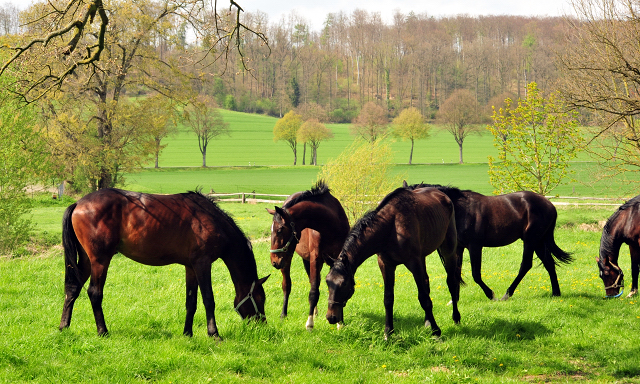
[
  {"x": 313, "y": 223},
  {"x": 496, "y": 221},
  {"x": 404, "y": 228},
  {"x": 187, "y": 229},
  {"x": 623, "y": 227}
]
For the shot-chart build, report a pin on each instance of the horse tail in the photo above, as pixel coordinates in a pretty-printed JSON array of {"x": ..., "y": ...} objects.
[
  {"x": 559, "y": 255},
  {"x": 70, "y": 244}
]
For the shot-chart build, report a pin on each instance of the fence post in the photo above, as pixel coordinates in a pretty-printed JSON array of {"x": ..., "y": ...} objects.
[{"x": 243, "y": 198}]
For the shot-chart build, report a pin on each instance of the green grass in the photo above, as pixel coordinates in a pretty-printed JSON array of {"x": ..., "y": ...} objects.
[{"x": 530, "y": 338}]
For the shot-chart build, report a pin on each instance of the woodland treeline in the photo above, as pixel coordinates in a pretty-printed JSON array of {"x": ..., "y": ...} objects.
[{"x": 417, "y": 61}]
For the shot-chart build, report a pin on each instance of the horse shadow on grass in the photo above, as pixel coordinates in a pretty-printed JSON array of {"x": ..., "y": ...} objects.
[{"x": 489, "y": 328}]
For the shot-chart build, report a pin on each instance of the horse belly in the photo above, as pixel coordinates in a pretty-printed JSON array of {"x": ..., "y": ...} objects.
[{"x": 155, "y": 248}]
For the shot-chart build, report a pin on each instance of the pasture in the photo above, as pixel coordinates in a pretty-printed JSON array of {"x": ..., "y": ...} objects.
[{"x": 530, "y": 338}]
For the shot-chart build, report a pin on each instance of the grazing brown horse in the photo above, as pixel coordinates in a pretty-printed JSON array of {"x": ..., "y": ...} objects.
[
  {"x": 187, "y": 229},
  {"x": 315, "y": 224},
  {"x": 404, "y": 228},
  {"x": 623, "y": 227},
  {"x": 496, "y": 221}
]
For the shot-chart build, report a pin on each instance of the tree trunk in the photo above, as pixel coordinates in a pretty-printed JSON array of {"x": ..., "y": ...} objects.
[
  {"x": 411, "y": 153},
  {"x": 460, "y": 149},
  {"x": 204, "y": 157},
  {"x": 304, "y": 153}
]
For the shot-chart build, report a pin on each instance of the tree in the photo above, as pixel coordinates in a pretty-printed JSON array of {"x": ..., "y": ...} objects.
[
  {"x": 23, "y": 162},
  {"x": 202, "y": 116},
  {"x": 540, "y": 141},
  {"x": 600, "y": 70},
  {"x": 459, "y": 115},
  {"x": 361, "y": 176},
  {"x": 157, "y": 116},
  {"x": 371, "y": 123},
  {"x": 71, "y": 37},
  {"x": 313, "y": 132},
  {"x": 286, "y": 129},
  {"x": 410, "y": 125}
]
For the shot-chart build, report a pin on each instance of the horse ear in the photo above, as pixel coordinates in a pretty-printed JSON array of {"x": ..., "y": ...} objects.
[
  {"x": 262, "y": 280},
  {"x": 271, "y": 211},
  {"x": 404, "y": 184},
  {"x": 280, "y": 211}
]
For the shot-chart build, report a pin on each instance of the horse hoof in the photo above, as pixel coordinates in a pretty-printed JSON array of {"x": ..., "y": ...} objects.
[
  {"x": 339, "y": 326},
  {"x": 450, "y": 302},
  {"x": 505, "y": 297},
  {"x": 632, "y": 293}
]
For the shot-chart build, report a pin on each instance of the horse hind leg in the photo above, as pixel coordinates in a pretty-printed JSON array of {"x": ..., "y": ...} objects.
[
  {"x": 191, "y": 302},
  {"x": 544, "y": 254},
  {"x": 95, "y": 292},
  {"x": 73, "y": 282}
]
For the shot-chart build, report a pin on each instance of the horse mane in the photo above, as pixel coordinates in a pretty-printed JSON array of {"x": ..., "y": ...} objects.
[
  {"x": 454, "y": 193},
  {"x": 371, "y": 218},
  {"x": 606, "y": 241},
  {"x": 213, "y": 209},
  {"x": 318, "y": 190}
]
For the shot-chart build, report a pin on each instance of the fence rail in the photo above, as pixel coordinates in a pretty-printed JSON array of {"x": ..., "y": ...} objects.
[{"x": 254, "y": 197}]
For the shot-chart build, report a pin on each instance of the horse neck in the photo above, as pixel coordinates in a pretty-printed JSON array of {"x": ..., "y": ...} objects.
[
  {"x": 242, "y": 267},
  {"x": 318, "y": 217},
  {"x": 366, "y": 244}
]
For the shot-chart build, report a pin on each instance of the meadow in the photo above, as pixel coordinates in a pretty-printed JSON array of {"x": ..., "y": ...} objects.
[{"x": 532, "y": 337}]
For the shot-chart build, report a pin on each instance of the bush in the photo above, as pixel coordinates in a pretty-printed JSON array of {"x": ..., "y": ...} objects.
[{"x": 230, "y": 103}]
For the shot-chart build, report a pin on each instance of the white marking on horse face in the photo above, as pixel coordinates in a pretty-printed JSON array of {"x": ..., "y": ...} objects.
[
  {"x": 310, "y": 323},
  {"x": 272, "y": 227}
]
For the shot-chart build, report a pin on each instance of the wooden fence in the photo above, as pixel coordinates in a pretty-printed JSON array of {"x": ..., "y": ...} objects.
[{"x": 253, "y": 197}]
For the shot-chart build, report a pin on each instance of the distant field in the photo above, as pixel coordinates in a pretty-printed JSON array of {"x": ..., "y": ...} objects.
[{"x": 251, "y": 143}]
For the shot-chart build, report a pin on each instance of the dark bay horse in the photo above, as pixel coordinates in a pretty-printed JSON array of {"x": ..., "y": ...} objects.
[
  {"x": 623, "y": 227},
  {"x": 404, "y": 228},
  {"x": 496, "y": 221},
  {"x": 315, "y": 224},
  {"x": 187, "y": 229}
]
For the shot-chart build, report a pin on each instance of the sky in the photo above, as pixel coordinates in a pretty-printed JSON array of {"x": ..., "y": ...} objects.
[{"x": 315, "y": 11}]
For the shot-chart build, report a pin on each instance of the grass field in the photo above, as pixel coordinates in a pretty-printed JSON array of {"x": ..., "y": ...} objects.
[{"x": 530, "y": 338}]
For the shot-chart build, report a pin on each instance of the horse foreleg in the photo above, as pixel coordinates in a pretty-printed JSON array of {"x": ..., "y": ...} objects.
[
  {"x": 314, "y": 282},
  {"x": 191, "y": 302},
  {"x": 547, "y": 260},
  {"x": 635, "y": 268},
  {"x": 286, "y": 288},
  {"x": 475, "y": 257},
  {"x": 203, "y": 275},
  {"x": 95, "y": 292},
  {"x": 73, "y": 282},
  {"x": 419, "y": 271},
  {"x": 525, "y": 266},
  {"x": 389, "y": 276}
]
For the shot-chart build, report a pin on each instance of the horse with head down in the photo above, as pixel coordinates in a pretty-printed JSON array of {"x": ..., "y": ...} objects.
[
  {"x": 187, "y": 229},
  {"x": 404, "y": 228},
  {"x": 623, "y": 227}
]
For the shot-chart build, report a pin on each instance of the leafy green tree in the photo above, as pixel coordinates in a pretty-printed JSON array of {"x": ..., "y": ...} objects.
[
  {"x": 361, "y": 176},
  {"x": 371, "y": 123},
  {"x": 204, "y": 119},
  {"x": 313, "y": 132},
  {"x": 536, "y": 140},
  {"x": 157, "y": 116},
  {"x": 410, "y": 125},
  {"x": 23, "y": 162},
  {"x": 286, "y": 129},
  {"x": 294, "y": 97}
]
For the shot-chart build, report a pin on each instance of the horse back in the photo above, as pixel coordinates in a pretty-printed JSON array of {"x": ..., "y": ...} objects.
[{"x": 150, "y": 229}]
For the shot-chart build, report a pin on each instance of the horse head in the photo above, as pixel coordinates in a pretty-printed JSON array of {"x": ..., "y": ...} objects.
[
  {"x": 612, "y": 277},
  {"x": 252, "y": 303},
  {"x": 341, "y": 284},
  {"x": 284, "y": 237}
]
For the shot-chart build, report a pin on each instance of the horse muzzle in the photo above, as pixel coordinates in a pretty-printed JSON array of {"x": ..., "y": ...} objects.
[{"x": 334, "y": 314}]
